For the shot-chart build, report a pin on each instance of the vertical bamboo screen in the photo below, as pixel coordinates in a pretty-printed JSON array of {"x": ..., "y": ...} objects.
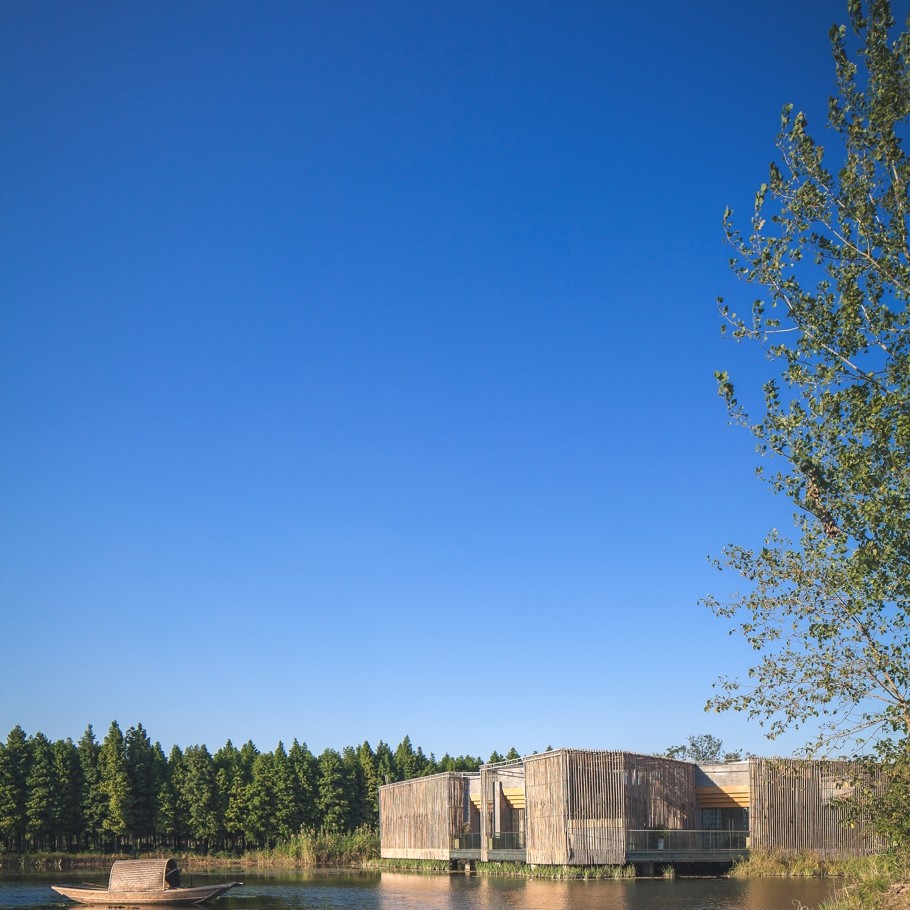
[
  {"x": 660, "y": 793},
  {"x": 596, "y": 830},
  {"x": 487, "y": 787},
  {"x": 546, "y": 800},
  {"x": 793, "y": 808},
  {"x": 496, "y": 815},
  {"x": 581, "y": 804},
  {"x": 418, "y": 817}
]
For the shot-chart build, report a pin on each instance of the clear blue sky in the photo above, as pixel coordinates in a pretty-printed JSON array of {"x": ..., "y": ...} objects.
[{"x": 356, "y": 365}]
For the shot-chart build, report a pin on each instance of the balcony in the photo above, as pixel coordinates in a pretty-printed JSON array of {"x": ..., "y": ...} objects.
[
  {"x": 470, "y": 841},
  {"x": 686, "y": 846},
  {"x": 506, "y": 845}
]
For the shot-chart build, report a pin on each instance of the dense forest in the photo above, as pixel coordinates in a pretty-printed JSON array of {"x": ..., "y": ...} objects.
[{"x": 125, "y": 793}]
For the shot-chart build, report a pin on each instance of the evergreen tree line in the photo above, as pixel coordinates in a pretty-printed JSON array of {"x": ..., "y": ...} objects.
[{"x": 125, "y": 794}]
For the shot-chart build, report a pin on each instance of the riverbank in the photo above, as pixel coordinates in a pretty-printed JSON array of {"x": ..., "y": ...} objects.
[
  {"x": 875, "y": 883},
  {"x": 865, "y": 883},
  {"x": 354, "y": 849}
]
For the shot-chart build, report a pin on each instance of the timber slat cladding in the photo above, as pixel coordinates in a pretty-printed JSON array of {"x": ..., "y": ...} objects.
[
  {"x": 581, "y": 804},
  {"x": 546, "y": 782},
  {"x": 418, "y": 817},
  {"x": 794, "y": 808},
  {"x": 596, "y": 833},
  {"x": 660, "y": 793}
]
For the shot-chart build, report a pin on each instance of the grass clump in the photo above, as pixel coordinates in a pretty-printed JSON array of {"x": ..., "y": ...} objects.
[
  {"x": 585, "y": 873},
  {"x": 318, "y": 848},
  {"x": 410, "y": 865},
  {"x": 873, "y": 883},
  {"x": 777, "y": 864}
]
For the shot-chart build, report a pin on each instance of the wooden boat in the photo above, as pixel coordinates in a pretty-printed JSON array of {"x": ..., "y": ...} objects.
[{"x": 143, "y": 881}]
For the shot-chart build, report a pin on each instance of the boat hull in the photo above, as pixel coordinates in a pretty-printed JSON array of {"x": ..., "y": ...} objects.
[{"x": 163, "y": 896}]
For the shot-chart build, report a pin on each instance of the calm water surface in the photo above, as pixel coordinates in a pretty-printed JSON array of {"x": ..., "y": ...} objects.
[{"x": 333, "y": 890}]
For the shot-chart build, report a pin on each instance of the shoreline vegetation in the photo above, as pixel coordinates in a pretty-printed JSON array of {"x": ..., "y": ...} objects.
[
  {"x": 360, "y": 850},
  {"x": 865, "y": 883}
]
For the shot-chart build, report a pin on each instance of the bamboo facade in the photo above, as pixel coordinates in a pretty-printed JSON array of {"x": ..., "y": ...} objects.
[
  {"x": 546, "y": 798},
  {"x": 581, "y": 804},
  {"x": 502, "y": 810},
  {"x": 577, "y": 807},
  {"x": 419, "y": 817},
  {"x": 794, "y": 806}
]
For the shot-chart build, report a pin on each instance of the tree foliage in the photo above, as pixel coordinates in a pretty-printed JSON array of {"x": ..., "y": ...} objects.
[
  {"x": 125, "y": 793},
  {"x": 703, "y": 747},
  {"x": 828, "y": 611}
]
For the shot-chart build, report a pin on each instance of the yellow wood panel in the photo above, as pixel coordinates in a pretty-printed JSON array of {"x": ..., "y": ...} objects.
[
  {"x": 722, "y": 797},
  {"x": 515, "y": 796}
]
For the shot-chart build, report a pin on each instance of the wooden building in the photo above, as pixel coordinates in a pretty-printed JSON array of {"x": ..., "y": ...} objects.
[{"x": 575, "y": 807}]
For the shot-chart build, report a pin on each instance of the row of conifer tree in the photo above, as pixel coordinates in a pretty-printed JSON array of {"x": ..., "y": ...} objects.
[{"x": 125, "y": 793}]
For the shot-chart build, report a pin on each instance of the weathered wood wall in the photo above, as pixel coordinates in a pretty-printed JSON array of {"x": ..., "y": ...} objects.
[
  {"x": 581, "y": 804},
  {"x": 596, "y": 830},
  {"x": 792, "y": 809},
  {"x": 660, "y": 793},
  {"x": 418, "y": 817},
  {"x": 546, "y": 799}
]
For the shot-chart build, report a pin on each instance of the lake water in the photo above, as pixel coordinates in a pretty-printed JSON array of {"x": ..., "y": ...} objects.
[{"x": 337, "y": 890}]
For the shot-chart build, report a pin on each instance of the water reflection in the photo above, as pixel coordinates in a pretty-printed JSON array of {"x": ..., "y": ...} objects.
[
  {"x": 334, "y": 890},
  {"x": 481, "y": 893}
]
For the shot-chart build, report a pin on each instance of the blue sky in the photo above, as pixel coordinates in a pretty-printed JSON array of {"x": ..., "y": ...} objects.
[{"x": 356, "y": 371}]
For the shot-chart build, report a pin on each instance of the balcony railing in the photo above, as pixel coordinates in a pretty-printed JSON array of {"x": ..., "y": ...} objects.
[
  {"x": 677, "y": 841},
  {"x": 470, "y": 841},
  {"x": 506, "y": 840}
]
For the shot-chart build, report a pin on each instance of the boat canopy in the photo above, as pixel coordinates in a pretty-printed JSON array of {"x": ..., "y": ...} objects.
[{"x": 144, "y": 875}]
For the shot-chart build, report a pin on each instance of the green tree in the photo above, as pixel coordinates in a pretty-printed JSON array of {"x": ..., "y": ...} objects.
[
  {"x": 385, "y": 763},
  {"x": 231, "y": 784},
  {"x": 68, "y": 769},
  {"x": 92, "y": 805},
  {"x": 113, "y": 786},
  {"x": 15, "y": 761},
  {"x": 369, "y": 772},
  {"x": 143, "y": 774},
  {"x": 170, "y": 817},
  {"x": 703, "y": 748},
  {"x": 334, "y": 805},
  {"x": 287, "y": 819},
  {"x": 358, "y": 797},
  {"x": 406, "y": 760},
  {"x": 306, "y": 775},
  {"x": 259, "y": 827},
  {"x": 237, "y": 806},
  {"x": 198, "y": 795},
  {"x": 42, "y": 807},
  {"x": 828, "y": 612}
]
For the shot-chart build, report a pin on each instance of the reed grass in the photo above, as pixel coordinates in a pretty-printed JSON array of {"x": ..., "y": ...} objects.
[
  {"x": 318, "y": 848},
  {"x": 777, "y": 864},
  {"x": 870, "y": 883},
  {"x": 410, "y": 865},
  {"x": 522, "y": 870}
]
